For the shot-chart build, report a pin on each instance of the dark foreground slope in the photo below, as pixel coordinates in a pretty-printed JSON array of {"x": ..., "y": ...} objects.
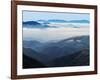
[{"x": 31, "y": 63}]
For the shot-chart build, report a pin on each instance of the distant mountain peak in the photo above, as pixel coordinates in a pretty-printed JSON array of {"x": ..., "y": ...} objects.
[
  {"x": 64, "y": 21},
  {"x": 78, "y": 21},
  {"x": 31, "y": 23},
  {"x": 56, "y": 20}
]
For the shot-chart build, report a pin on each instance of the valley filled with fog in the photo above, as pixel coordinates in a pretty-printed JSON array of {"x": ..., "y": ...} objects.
[{"x": 55, "y": 32}]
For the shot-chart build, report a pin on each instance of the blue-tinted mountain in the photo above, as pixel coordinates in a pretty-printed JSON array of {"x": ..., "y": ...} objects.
[
  {"x": 31, "y": 44},
  {"x": 56, "y": 20},
  {"x": 35, "y": 24},
  {"x": 64, "y": 21},
  {"x": 50, "y": 52},
  {"x": 59, "y": 48},
  {"x": 43, "y": 21},
  {"x": 65, "y": 47},
  {"x": 80, "y": 58},
  {"x": 31, "y": 23},
  {"x": 78, "y": 21},
  {"x": 33, "y": 54}
]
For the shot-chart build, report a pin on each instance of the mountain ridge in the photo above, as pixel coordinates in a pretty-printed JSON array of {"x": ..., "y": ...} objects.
[{"x": 60, "y": 48}]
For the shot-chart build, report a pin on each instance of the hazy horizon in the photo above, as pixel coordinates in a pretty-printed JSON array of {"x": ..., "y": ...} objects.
[{"x": 55, "y": 31}]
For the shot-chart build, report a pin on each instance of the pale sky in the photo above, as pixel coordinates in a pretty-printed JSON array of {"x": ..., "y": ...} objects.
[{"x": 34, "y": 16}]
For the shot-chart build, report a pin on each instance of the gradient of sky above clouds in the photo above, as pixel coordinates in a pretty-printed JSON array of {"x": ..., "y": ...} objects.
[{"x": 35, "y": 15}]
